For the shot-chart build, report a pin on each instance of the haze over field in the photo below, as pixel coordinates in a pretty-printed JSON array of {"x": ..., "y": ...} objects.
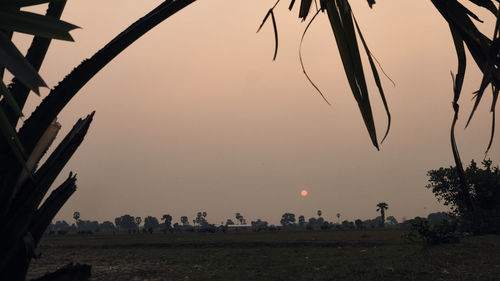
[{"x": 196, "y": 115}]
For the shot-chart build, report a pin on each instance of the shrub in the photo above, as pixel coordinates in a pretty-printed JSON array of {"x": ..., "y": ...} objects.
[
  {"x": 443, "y": 232},
  {"x": 479, "y": 207}
]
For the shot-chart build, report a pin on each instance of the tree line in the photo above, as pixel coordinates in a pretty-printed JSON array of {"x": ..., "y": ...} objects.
[
  {"x": 478, "y": 213},
  {"x": 289, "y": 221}
]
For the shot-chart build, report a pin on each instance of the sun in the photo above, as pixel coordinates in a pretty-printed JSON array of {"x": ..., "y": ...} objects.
[{"x": 303, "y": 193}]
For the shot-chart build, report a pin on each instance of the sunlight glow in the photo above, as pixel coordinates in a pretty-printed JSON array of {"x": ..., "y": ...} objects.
[{"x": 303, "y": 193}]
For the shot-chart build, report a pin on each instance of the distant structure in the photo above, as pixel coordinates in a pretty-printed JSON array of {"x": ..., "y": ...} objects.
[{"x": 238, "y": 227}]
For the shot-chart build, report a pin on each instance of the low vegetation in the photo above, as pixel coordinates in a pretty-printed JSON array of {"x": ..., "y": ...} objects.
[
  {"x": 475, "y": 200},
  {"x": 279, "y": 255}
]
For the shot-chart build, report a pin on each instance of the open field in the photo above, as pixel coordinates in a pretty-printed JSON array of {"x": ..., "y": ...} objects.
[{"x": 330, "y": 255}]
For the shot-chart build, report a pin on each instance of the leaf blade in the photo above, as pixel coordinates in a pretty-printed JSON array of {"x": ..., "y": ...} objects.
[
  {"x": 35, "y": 24},
  {"x": 12, "y": 139},
  {"x": 10, "y": 99},
  {"x": 340, "y": 17},
  {"x": 377, "y": 80},
  {"x": 13, "y": 60},
  {"x": 305, "y": 6}
]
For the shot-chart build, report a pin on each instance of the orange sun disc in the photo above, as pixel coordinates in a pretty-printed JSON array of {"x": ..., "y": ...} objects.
[{"x": 303, "y": 193}]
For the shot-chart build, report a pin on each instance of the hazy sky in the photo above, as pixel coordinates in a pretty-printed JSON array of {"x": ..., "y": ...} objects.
[{"x": 195, "y": 116}]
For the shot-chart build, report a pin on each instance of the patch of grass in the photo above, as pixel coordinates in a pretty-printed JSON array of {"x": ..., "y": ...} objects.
[{"x": 308, "y": 255}]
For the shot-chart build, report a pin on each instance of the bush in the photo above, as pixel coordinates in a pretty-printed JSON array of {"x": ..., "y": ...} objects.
[
  {"x": 443, "y": 232},
  {"x": 479, "y": 207}
]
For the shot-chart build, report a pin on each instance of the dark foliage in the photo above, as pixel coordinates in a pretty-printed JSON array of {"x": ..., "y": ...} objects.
[
  {"x": 446, "y": 231},
  {"x": 24, "y": 183},
  {"x": 483, "y": 189}
]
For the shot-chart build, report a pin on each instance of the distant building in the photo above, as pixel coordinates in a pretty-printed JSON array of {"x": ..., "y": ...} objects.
[{"x": 238, "y": 227}]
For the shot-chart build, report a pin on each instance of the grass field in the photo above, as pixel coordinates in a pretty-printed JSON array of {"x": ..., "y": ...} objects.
[{"x": 330, "y": 255}]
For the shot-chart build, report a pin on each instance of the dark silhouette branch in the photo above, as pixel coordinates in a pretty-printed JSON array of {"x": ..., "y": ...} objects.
[
  {"x": 35, "y": 56},
  {"x": 52, "y": 105}
]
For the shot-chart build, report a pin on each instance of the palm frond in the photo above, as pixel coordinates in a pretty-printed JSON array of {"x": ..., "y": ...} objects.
[
  {"x": 35, "y": 56},
  {"x": 14, "y": 61},
  {"x": 23, "y": 3},
  {"x": 57, "y": 99},
  {"x": 35, "y": 24},
  {"x": 340, "y": 16},
  {"x": 275, "y": 28},
  {"x": 345, "y": 28}
]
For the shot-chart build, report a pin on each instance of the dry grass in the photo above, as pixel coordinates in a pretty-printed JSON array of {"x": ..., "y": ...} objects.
[{"x": 331, "y": 255}]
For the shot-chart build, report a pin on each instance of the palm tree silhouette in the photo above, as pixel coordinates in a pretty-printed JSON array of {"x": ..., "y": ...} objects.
[{"x": 382, "y": 206}]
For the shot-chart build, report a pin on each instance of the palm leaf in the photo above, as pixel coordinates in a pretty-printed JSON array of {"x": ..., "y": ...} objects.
[
  {"x": 488, "y": 76},
  {"x": 271, "y": 13},
  {"x": 13, "y": 60},
  {"x": 11, "y": 138},
  {"x": 302, "y": 61},
  {"x": 493, "y": 110},
  {"x": 305, "y": 6},
  {"x": 458, "y": 16},
  {"x": 23, "y": 3},
  {"x": 33, "y": 191},
  {"x": 458, "y": 81},
  {"x": 376, "y": 77},
  {"x": 487, "y": 4},
  {"x": 35, "y": 56},
  {"x": 484, "y": 51},
  {"x": 457, "y": 85},
  {"x": 50, "y": 107},
  {"x": 51, "y": 206},
  {"x": 35, "y": 24},
  {"x": 10, "y": 100},
  {"x": 339, "y": 13}
]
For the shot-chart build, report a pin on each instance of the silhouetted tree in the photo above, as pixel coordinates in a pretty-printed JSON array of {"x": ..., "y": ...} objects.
[
  {"x": 184, "y": 220},
  {"x": 358, "y": 223},
  {"x": 319, "y": 213},
  {"x": 151, "y": 223},
  {"x": 197, "y": 218},
  {"x": 240, "y": 218},
  {"x": 106, "y": 226},
  {"x": 302, "y": 221},
  {"x": 76, "y": 216},
  {"x": 392, "y": 220},
  {"x": 229, "y": 222},
  {"x": 372, "y": 223},
  {"x": 312, "y": 224},
  {"x": 86, "y": 226},
  {"x": 126, "y": 222},
  {"x": 61, "y": 227},
  {"x": 381, "y": 207},
  {"x": 479, "y": 207},
  {"x": 437, "y": 217},
  {"x": 259, "y": 225},
  {"x": 338, "y": 217},
  {"x": 322, "y": 223},
  {"x": 138, "y": 221},
  {"x": 347, "y": 224},
  {"x": 287, "y": 219},
  {"x": 200, "y": 219},
  {"x": 167, "y": 221},
  {"x": 118, "y": 223}
]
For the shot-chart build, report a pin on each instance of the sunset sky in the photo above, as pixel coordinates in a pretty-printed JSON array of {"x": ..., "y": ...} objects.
[{"x": 195, "y": 116}]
